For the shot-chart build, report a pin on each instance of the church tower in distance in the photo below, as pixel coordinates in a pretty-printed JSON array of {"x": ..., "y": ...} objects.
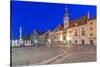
[{"x": 66, "y": 19}]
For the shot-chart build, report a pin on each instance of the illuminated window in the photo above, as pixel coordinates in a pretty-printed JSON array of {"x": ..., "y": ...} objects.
[
  {"x": 83, "y": 32},
  {"x": 82, "y": 28},
  {"x": 75, "y": 33},
  {"x": 91, "y": 28},
  {"x": 91, "y": 34},
  {"x": 75, "y": 24},
  {"x": 64, "y": 38},
  {"x": 91, "y": 22},
  {"x": 64, "y": 32},
  {"x": 75, "y": 29},
  {"x": 70, "y": 31}
]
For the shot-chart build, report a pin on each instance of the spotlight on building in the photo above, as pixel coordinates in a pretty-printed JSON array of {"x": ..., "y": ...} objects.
[
  {"x": 68, "y": 38},
  {"x": 61, "y": 38},
  {"x": 35, "y": 41},
  {"x": 49, "y": 41}
]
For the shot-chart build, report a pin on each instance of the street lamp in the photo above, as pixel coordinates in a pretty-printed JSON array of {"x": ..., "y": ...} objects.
[
  {"x": 49, "y": 41},
  {"x": 35, "y": 42},
  {"x": 68, "y": 38},
  {"x": 61, "y": 38}
]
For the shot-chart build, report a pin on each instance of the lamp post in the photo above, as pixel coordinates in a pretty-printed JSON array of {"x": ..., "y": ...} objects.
[
  {"x": 61, "y": 38},
  {"x": 49, "y": 41},
  {"x": 68, "y": 38},
  {"x": 35, "y": 42}
]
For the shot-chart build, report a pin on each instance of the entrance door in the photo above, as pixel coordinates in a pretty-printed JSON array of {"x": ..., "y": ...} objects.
[
  {"x": 91, "y": 42},
  {"x": 70, "y": 42},
  {"x": 82, "y": 41}
]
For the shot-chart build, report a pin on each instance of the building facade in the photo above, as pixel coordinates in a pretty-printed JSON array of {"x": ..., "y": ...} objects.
[{"x": 79, "y": 31}]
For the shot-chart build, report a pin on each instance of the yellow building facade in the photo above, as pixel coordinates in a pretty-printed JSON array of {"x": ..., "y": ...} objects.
[{"x": 79, "y": 31}]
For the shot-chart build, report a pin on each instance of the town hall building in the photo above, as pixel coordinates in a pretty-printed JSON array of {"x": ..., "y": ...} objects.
[{"x": 79, "y": 31}]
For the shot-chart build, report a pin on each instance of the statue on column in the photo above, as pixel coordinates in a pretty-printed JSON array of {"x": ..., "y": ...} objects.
[{"x": 20, "y": 40}]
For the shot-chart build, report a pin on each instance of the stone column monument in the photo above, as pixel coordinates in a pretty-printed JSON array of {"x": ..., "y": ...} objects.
[{"x": 20, "y": 39}]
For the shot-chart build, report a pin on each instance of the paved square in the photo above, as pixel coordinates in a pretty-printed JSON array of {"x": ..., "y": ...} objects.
[{"x": 36, "y": 55}]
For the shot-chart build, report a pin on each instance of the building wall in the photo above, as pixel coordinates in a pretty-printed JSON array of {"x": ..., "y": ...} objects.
[
  {"x": 92, "y": 30},
  {"x": 59, "y": 36},
  {"x": 76, "y": 36},
  {"x": 83, "y": 37},
  {"x": 69, "y": 37},
  {"x": 52, "y": 37}
]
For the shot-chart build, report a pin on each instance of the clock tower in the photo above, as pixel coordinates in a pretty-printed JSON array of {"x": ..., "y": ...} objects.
[{"x": 66, "y": 19}]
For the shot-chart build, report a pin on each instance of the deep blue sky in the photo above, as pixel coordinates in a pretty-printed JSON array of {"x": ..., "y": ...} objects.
[{"x": 43, "y": 16}]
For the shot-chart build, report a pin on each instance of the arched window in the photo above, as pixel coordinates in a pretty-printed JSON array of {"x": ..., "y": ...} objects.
[
  {"x": 70, "y": 31},
  {"x": 75, "y": 29},
  {"x": 64, "y": 38},
  {"x": 91, "y": 34},
  {"x": 83, "y": 32},
  {"x": 75, "y": 33},
  {"x": 82, "y": 28}
]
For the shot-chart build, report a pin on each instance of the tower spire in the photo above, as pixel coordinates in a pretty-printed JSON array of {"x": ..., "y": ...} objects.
[
  {"x": 66, "y": 11},
  {"x": 66, "y": 19}
]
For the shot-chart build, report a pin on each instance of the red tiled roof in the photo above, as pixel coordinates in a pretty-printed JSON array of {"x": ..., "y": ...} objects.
[
  {"x": 77, "y": 22},
  {"x": 74, "y": 23},
  {"x": 59, "y": 27}
]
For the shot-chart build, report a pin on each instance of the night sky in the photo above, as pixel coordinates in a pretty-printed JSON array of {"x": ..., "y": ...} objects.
[{"x": 43, "y": 16}]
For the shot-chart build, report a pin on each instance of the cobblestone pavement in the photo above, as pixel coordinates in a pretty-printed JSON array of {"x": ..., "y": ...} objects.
[
  {"x": 76, "y": 57},
  {"x": 78, "y": 54},
  {"x": 80, "y": 57},
  {"x": 34, "y": 55}
]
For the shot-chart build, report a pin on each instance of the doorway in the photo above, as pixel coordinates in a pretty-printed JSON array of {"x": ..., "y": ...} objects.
[
  {"x": 91, "y": 42},
  {"x": 83, "y": 42}
]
